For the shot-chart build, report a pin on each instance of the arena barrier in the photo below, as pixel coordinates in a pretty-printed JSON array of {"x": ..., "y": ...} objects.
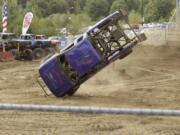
[{"x": 86, "y": 109}]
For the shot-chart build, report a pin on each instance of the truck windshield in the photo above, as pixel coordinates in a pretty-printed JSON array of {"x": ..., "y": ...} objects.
[{"x": 69, "y": 71}]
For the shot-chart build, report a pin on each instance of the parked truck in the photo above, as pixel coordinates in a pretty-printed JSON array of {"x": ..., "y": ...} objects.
[
  {"x": 104, "y": 43},
  {"x": 27, "y": 47},
  {"x": 31, "y": 46}
]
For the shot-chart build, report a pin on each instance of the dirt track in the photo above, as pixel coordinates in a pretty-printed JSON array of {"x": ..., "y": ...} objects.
[{"x": 149, "y": 78}]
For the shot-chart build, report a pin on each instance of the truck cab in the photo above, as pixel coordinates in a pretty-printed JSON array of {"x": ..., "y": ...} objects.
[
  {"x": 27, "y": 36},
  {"x": 101, "y": 45},
  {"x": 35, "y": 46}
]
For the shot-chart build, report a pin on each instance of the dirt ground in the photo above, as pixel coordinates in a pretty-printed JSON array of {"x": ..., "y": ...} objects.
[{"x": 148, "y": 78}]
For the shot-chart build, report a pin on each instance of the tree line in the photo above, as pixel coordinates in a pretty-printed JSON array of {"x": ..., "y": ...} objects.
[{"x": 50, "y": 16}]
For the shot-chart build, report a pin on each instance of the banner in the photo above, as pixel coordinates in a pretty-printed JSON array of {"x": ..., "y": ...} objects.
[{"x": 26, "y": 22}]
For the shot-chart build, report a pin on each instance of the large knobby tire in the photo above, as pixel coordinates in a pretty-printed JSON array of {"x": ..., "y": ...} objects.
[
  {"x": 38, "y": 53},
  {"x": 28, "y": 54}
]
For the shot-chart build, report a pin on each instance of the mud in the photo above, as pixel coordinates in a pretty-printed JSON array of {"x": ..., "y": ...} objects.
[{"x": 148, "y": 78}]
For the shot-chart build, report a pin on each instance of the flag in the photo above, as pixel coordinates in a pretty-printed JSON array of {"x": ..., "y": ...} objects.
[
  {"x": 26, "y": 22},
  {"x": 4, "y": 17}
]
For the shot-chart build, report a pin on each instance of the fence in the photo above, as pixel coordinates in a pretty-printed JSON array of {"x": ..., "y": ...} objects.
[{"x": 85, "y": 109}]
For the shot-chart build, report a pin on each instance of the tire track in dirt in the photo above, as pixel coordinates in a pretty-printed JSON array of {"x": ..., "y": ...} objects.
[{"x": 162, "y": 78}]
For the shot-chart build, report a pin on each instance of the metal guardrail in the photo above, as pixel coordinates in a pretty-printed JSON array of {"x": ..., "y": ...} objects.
[{"x": 86, "y": 109}]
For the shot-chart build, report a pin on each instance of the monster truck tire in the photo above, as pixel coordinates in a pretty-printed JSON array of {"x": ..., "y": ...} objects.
[
  {"x": 28, "y": 54},
  {"x": 38, "y": 53}
]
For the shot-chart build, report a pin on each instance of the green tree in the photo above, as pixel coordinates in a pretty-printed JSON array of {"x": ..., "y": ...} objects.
[
  {"x": 57, "y": 6},
  {"x": 45, "y": 27},
  {"x": 82, "y": 3},
  {"x": 97, "y": 8},
  {"x": 14, "y": 17},
  {"x": 52, "y": 15},
  {"x": 118, "y": 4},
  {"x": 128, "y": 5},
  {"x": 78, "y": 22},
  {"x": 22, "y": 2},
  {"x": 134, "y": 17},
  {"x": 73, "y": 6},
  {"x": 31, "y": 6},
  {"x": 158, "y": 9}
]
